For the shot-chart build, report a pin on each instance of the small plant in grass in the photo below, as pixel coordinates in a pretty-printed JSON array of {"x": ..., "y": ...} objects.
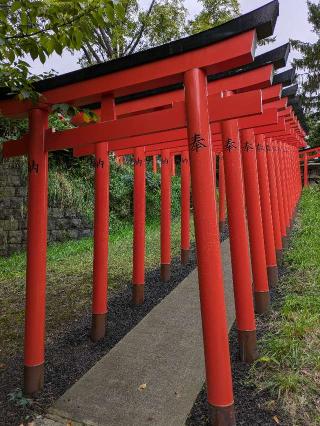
[{"x": 18, "y": 398}]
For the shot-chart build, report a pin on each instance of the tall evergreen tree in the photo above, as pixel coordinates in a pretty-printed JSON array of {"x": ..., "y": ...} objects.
[{"x": 309, "y": 67}]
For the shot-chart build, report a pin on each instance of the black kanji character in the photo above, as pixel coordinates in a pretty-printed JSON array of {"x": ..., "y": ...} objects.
[
  {"x": 137, "y": 162},
  {"x": 230, "y": 145},
  {"x": 197, "y": 142},
  {"x": 33, "y": 167},
  {"x": 248, "y": 147},
  {"x": 260, "y": 147},
  {"x": 99, "y": 163}
]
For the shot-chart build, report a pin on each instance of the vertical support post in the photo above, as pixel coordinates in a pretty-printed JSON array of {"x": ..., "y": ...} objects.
[
  {"x": 239, "y": 243},
  {"x": 305, "y": 171},
  {"x": 173, "y": 165},
  {"x": 154, "y": 164},
  {"x": 185, "y": 208},
  {"x": 267, "y": 223},
  {"x": 277, "y": 167},
  {"x": 139, "y": 226},
  {"x": 284, "y": 184},
  {"x": 101, "y": 229},
  {"x": 257, "y": 250},
  {"x": 222, "y": 195},
  {"x": 165, "y": 216},
  {"x": 213, "y": 312},
  {"x": 274, "y": 201},
  {"x": 34, "y": 340}
]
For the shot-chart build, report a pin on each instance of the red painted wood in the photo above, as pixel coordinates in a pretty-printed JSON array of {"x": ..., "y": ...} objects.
[
  {"x": 213, "y": 312},
  {"x": 165, "y": 214},
  {"x": 139, "y": 217},
  {"x": 265, "y": 201},
  {"x": 273, "y": 195},
  {"x": 253, "y": 205},
  {"x": 239, "y": 243},
  {"x": 34, "y": 337},
  {"x": 185, "y": 201}
]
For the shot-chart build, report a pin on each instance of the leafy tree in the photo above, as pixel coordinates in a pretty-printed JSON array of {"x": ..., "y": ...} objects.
[
  {"x": 134, "y": 28},
  {"x": 39, "y": 28},
  {"x": 214, "y": 13},
  {"x": 314, "y": 131},
  {"x": 165, "y": 20},
  {"x": 309, "y": 66}
]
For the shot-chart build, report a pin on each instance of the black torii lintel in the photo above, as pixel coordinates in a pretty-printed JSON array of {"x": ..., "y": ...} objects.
[
  {"x": 286, "y": 78},
  {"x": 290, "y": 91}
]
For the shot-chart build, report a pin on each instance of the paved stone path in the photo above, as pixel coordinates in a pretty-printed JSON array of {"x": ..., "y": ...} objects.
[{"x": 154, "y": 374}]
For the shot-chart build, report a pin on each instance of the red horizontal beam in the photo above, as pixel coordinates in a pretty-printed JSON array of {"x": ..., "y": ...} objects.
[{"x": 231, "y": 53}]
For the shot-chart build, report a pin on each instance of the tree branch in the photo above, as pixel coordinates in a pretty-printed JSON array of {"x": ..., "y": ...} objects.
[
  {"x": 93, "y": 53},
  {"x": 135, "y": 40},
  {"x": 87, "y": 55},
  {"x": 45, "y": 30},
  {"x": 106, "y": 42}
]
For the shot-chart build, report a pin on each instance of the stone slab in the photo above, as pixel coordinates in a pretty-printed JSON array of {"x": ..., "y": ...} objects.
[{"x": 163, "y": 353}]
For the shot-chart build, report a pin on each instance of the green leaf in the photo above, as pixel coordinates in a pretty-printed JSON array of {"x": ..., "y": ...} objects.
[
  {"x": 33, "y": 49},
  {"x": 42, "y": 56},
  {"x": 15, "y": 6}
]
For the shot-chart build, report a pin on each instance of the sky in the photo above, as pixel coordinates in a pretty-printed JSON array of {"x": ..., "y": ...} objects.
[{"x": 292, "y": 23}]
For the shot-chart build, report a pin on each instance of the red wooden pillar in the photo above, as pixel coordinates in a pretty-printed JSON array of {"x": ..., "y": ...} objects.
[
  {"x": 222, "y": 195},
  {"x": 154, "y": 164},
  {"x": 267, "y": 223},
  {"x": 277, "y": 163},
  {"x": 305, "y": 171},
  {"x": 239, "y": 243},
  {"x": 101, "y": 230},
  {"x": 213, "y": 312},
  {"x": 139, "y": 226},
  {"x": 185, "y": 208},
  {"x": 284, "y": 184},
  {"x": 257, "y": 250},
  {"x": 274, "y": 201},
  {"x": 165, "y": 216},
  {"x": 173, "y": 165},
  {"x": 34, "y": 340}
]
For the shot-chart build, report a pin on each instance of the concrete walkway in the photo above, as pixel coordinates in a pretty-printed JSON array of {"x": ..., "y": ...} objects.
[{"x": 154, "y": 374}]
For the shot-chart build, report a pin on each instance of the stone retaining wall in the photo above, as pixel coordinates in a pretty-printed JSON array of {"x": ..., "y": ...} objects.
[{"x": 63, "y": 224}]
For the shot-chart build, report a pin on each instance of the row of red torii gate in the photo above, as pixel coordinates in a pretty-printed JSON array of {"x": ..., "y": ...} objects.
[
  {"x": 307, "y": 154},
  {"x": 199, "y": 97}
]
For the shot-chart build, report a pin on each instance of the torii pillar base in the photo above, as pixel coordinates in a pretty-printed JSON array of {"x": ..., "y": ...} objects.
[
  {"x": 138, "y": 294},
  {"x": 248, "y": 345},
  {"x": 222, "y": 226},
  {"x": 98, "y": 327},
  {"x": 33, "y": 379},
  {"x": 165, "y": 272},
  {"x": 261, "y": 302},
  {"x": 185, "y": 256},
  {"x": 221, "y": 416}
]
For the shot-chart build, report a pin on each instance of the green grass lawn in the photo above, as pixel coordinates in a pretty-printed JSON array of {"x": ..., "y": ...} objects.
[
  {"x": 69, "y": 280},
  {"x": 290, "y": 363}
]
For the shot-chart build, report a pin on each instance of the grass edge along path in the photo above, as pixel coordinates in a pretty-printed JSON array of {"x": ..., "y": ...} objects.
[
  {"x": 69, "y": 280},
  {"x": 288, "y": 370}
]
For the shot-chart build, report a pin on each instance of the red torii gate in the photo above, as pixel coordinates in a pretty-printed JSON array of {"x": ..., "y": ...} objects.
[
  {"x": 305, "y": 157},
  {"x": 189, "y": 67}
]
